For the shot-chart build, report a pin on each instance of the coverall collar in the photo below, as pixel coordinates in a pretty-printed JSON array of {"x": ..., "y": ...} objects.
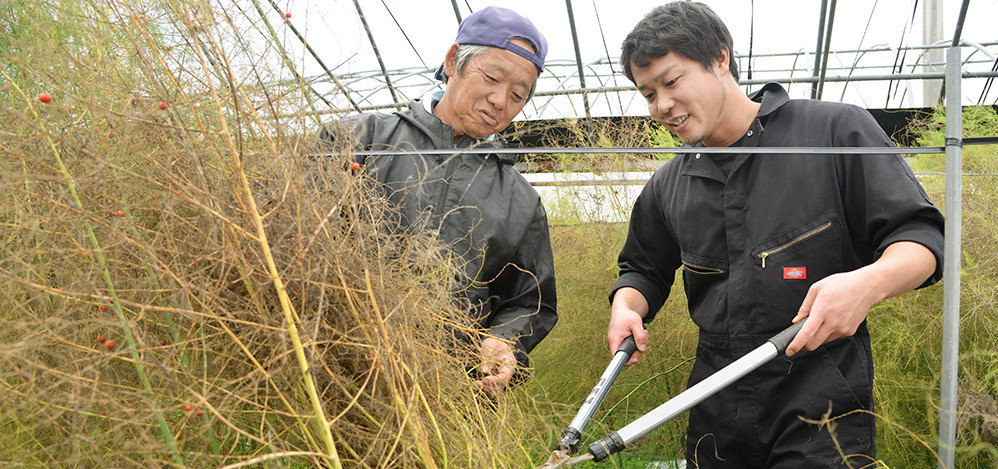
[{"x": 772, "y": 96}]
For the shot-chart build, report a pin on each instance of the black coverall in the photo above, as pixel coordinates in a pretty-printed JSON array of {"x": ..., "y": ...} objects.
[{"x": 751, "y": 240}]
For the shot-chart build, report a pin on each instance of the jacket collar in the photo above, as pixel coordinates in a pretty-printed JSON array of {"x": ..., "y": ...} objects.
[{"x": 442, "y": 134}]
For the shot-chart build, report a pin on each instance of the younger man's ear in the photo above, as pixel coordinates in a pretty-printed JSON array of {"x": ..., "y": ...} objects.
[{"x": 722, "y": 63}]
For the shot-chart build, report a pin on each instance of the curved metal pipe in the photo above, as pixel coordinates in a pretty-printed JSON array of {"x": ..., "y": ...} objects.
[
  {"x": 818, "y": 47},
  {"x": 377, "y": 54},
  {"x": 578, "y": 55},
  {"x": 828, "y": 43},
  {"x": 315, "y": 56},
  {"x": 959, "y": 23}
]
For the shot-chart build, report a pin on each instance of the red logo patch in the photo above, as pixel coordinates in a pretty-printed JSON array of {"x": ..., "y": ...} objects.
[{"x": 794, "y": 273}]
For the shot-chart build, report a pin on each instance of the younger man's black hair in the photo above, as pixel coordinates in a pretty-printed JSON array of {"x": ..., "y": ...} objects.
[{"x": 690, "y": 29}]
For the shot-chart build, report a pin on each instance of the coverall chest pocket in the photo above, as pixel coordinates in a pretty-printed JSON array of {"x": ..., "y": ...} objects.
[
  {"x": 705, "y": 282},
  {"x": 785, "y": 266}
]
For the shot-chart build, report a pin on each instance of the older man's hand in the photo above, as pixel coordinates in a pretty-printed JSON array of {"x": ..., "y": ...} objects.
[{"x": 498, "y": 364}]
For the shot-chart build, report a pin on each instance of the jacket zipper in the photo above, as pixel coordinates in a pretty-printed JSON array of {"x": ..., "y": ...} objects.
[
  {"x": 439, "y": 208},
  {"x": 763, "y": 255}
]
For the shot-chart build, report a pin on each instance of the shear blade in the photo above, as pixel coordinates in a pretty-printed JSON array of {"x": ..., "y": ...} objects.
[{"x": 560, "y": 458}]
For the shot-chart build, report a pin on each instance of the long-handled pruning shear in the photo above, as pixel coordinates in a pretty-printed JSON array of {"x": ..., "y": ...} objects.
[
  {"x": 570, "y": 439},
  {"x": 631, "y": 432}
]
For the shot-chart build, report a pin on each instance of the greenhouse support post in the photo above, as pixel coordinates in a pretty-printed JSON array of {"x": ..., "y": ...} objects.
[{"x": 952, "y": 256}]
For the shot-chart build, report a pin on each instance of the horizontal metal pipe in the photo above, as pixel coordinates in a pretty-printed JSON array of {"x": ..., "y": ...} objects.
[
  {"x": 672, "y": 150},
  {"x": 759, "y": 81},
  {"x": 791, "y": 80},
  {"x": 640, "y": 181},
  {"x": 652, "y": 150}
]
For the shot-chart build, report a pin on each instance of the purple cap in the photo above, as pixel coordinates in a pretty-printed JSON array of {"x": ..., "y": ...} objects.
[{"x": 497, "y": 27}]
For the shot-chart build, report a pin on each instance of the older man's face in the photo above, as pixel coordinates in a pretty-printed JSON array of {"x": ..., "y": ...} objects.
[{"x": 488, "y": 94}]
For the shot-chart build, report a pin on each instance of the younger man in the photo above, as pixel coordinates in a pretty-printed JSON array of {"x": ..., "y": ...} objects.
[{"x": 764, "y": 241}]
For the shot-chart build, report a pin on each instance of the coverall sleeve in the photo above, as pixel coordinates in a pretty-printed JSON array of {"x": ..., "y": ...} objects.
[
  {"x": 888, "y": 204},
  {"x": 651, "y": 255}
]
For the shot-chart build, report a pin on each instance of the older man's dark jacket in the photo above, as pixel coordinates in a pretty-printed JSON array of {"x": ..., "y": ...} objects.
[{"x": 481, "y": 207}]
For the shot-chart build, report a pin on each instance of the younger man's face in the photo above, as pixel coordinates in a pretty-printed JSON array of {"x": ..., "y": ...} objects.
[{"x": 683, "y": 96}]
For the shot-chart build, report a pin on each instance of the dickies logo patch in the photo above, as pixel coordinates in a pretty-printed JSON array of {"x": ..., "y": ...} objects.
[{"x": 794, "y": 273}]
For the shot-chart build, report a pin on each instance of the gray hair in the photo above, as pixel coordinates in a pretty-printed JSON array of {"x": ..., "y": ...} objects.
[{"x": 466, "y": 52}]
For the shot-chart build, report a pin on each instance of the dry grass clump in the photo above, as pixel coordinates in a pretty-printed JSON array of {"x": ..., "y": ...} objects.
[{"x": 182, "y": 286}]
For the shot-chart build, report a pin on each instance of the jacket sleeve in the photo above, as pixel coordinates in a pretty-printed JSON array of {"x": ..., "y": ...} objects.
[
  {"x": 354, "y": 133},
  {"x": 526, "y": 310},
  {"x": 887, "y": 202}
]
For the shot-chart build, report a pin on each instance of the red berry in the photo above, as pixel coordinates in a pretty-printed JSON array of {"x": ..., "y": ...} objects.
[
  {"x": 101, "y": 339},
  {"x": 287, "y": 15},
  {"x": 119, "y": 213},
  {"x": 199, "y": 412},
  {"x": 109, "y": 345},
  {"x": 162, "y": 105},
  {"x": 45, "y": 98},
  {"x": 26, "y": 378},
  {"x": 102, "y": 308},
  {"x": 101, "y": 413},
  {"x": 162, "y": 342},
  {"x": 188, "y": 407},
  {"x": 355, "y": 166}
]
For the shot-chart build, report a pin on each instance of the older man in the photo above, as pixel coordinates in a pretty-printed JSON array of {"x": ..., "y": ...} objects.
[{"x": 488, "y": 215}]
